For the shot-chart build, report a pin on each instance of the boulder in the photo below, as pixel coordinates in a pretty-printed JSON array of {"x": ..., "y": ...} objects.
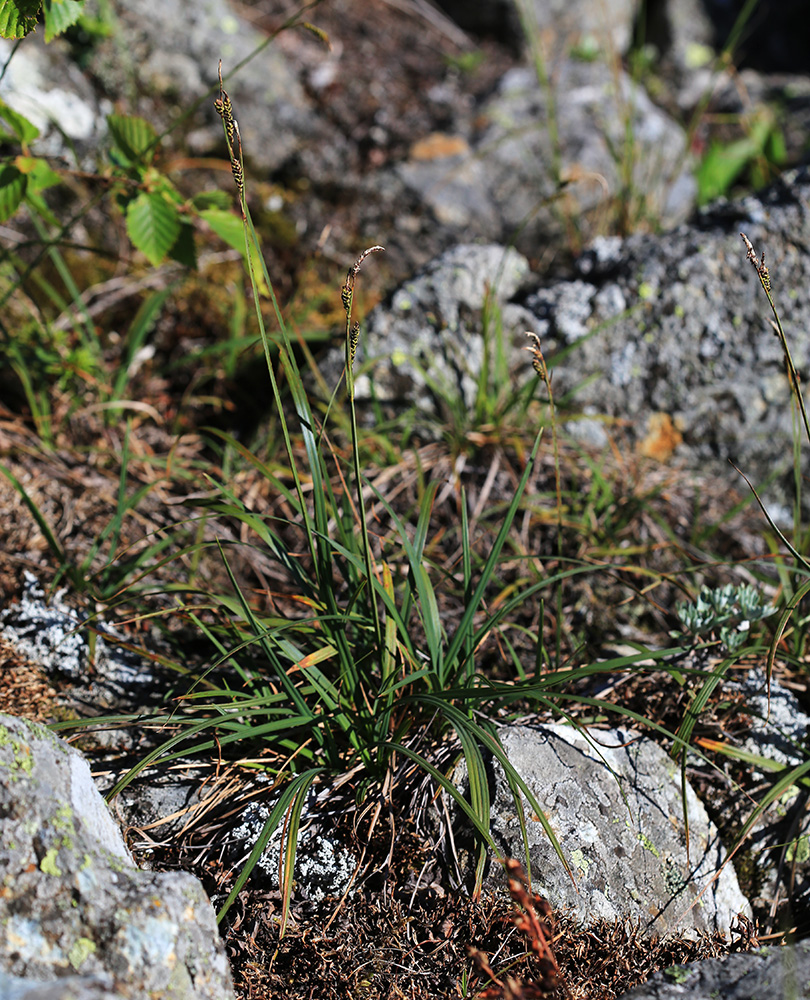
[
  {"x": 426, "y": 345},
  {"x": 502, "y": 186},
  {"x": 170, "y": 52},
  {"x": 77, "y": 917},
  {"x": 561, "y": 23},
  {"x": 677, "y": 326},
  {"x": 766, "y": 974},
  {"x": 613, "y": 800}
]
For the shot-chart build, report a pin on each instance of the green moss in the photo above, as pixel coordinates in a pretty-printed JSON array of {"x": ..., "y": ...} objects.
[{"x": 677, "y": 973}]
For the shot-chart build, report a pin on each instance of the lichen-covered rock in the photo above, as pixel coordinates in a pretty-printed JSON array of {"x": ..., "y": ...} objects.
[
  {"x": 560, "y": 23},
  {"x": 765, "y": 974},
  {"x": 678, "y": 325},
  {"x": 427, "y": 343},
  {"x": 614, "y": 803},
  {"x": 72, "y": 902}
]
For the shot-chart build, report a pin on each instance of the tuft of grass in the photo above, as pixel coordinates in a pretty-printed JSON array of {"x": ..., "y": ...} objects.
[{"x": 357, "y": 672}]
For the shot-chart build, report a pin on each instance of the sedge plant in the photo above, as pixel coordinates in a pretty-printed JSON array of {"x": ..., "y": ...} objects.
[
  {"x": 355, "y": 670},
  {"x": 358, "y": 671}
]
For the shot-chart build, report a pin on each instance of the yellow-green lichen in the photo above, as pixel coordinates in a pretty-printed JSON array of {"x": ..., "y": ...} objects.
[
  {"x": 81, "y": 949},
  {"x": 647, "y": 844},
  {"x": 580, "y": 862},
  {"x": 48, "y": 864},
  {"x": 799, "y": 850},
  {"x": 22, "y": 758}
]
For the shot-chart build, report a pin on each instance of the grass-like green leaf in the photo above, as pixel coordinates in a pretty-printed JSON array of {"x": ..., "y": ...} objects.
[{"x": 294, "y": 792}]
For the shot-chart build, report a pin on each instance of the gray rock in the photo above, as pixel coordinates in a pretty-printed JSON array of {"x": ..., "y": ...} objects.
[
  {"x": 678, "y": 325},
  {"x": 40, "y": 82},
  {"x": 74, "y": 904},
  {"x": 504, "y": 189},
  {"x": 171, "y": 50},
  {"x": 53, "y": 634},
  {"x": 558, "y": 22},
  {"x": 684, "y": 35},
  {"x": 778, "y": 846},
  {"x": 766, "y": 974},
  {"x": 615, "y": 806},
  {"x": 67, "y": 988},
  {"x": 323, "y": 868},
  {"x": 427, "y": 343}
]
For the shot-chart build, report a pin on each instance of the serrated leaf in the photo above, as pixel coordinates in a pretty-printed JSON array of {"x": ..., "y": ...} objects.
[
  {"x": 227, "y": 226},
  {"x": 18, "y": 17},
  {"x": 39, "y": 174},
  {"x": 60, "y": 15},
  {"x": 183, "y": 250},
  {"x": 153, "y": 226},
  {"x": 22, "y": 129},
  {"x": 134, "y": 136},
  {"x": 211, "y": 199},
  {"x": 230, "y": 228},
  {"x": 13, "y": 184}
]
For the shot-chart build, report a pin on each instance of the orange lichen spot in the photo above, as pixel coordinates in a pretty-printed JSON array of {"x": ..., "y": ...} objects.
[
  {"x": 663, "y": 437},
  {"x": 438, "y": 146}
]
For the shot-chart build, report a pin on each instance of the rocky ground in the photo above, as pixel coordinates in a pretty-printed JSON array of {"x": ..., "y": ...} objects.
[{"x": 426, "y": 130}]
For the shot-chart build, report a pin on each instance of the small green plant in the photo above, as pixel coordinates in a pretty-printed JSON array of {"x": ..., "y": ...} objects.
[
  {"x": 757, "y": 156},
  {"x": 726, "y": 612},
  {"x": 358, "y": 670},
  {"x": 19, "y": 17}
]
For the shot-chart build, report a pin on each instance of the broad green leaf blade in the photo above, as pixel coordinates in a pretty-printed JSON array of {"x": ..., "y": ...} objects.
[
  {"x": 212, "y": 199},
  {"x": 184, "y": 249},
  {"x": 227, "y": 225},
  {"x": 231, "y": 230},
  {"x": 22, "y": 129},
  {"x": 153, "y": 225},
  {"x": 18, "y": 17},
  {"x": 39, "y": 174},
  {"x": 134, "y": 136},
  {"x": 13, "y": 184},
  {"x": 60, "y": 15}
]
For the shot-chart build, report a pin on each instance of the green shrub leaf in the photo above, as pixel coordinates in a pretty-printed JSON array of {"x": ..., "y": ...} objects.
[
  {"x": 39, "y": 174},
  {"x": 211, "y": 199},
  {"x": 18, "y": 17},
  {"x": 133, "y": 136},
  {"x": 227, "y": 226},
  {"x": 12, "y": 191},
  {"x": 60, "y": 15},
  {"x": 21, "y": 128},
  {"x": 153, "y": 225},
  {"x": 183, "y": 249}
]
